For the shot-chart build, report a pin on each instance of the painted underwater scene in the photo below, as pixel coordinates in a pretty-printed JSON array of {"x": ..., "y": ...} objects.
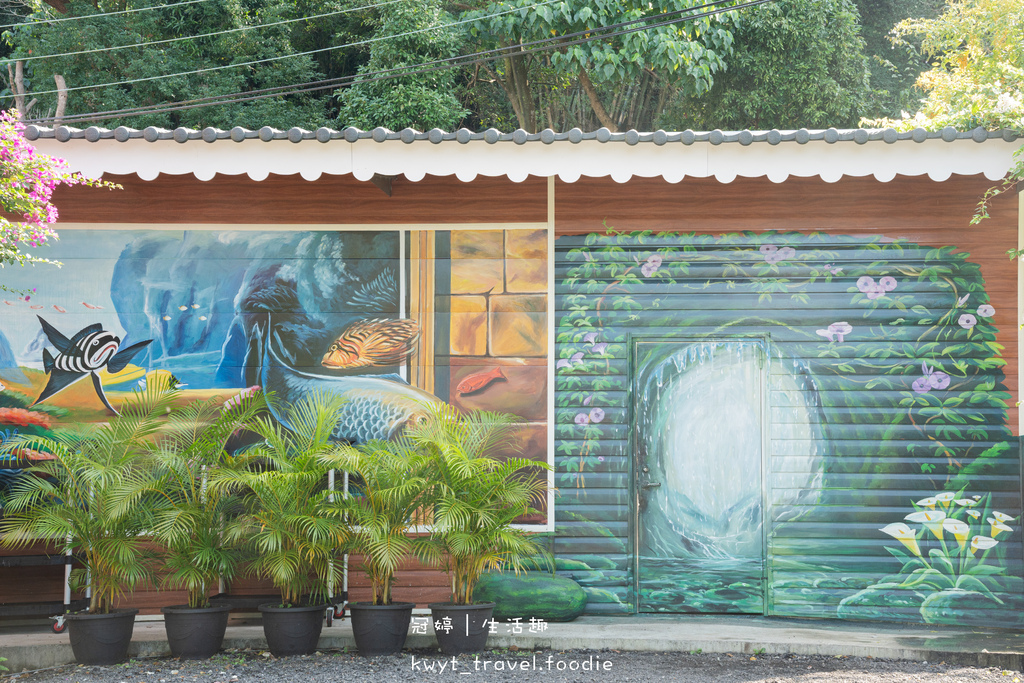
[{"x": 883, "y": 390}]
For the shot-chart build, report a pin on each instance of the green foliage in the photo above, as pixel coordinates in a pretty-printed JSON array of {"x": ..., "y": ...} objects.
[
  {"x": 976, "y": 79},
  {"x": 479, "y": 491},
  {"x": 87, "y": 500},
  {"x": 189, "y": 516},
  {"x": 289, "y": 523},
  {"x": 421, "y": 101},
  {"x": 794, "y": 64},
  {"x": 949, "y": 552},
  {"x": 389, "y": 483},
  {"x": 156, "y": 61}
]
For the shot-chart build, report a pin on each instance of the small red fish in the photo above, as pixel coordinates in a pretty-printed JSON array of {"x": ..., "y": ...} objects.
[
  {"x": 35, "y": 308},
  {"x": 10, "y": 303},
  {"x": 479, "y": 381},
  {"x": 90, "y": 306},
  {"x": 59, "y": 309}
]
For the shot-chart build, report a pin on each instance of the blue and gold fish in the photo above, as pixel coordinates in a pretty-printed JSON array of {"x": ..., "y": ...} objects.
[
  {"x": 377, "y": 406},
  {"x": 86, "y": 353}
]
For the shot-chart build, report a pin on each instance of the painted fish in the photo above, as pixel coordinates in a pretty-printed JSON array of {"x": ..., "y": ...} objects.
[
  {"x": 86, "y": 353},
  {"x": 90, "y": 306},
  {"x": 378, "y": 406},
  {"x": 479, "y": 381},
  {"x": 373, "y": 343},
  {"x": 59, "y": 309}
]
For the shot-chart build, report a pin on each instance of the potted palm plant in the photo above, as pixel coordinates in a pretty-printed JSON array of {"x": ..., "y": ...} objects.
[
  {"x": 190, "y": 517},
  {"x": 288, "y": 523},
  {"x": 84, "y": 501},
  {"x": 479, "y": 489},
  {"x": 387, "y": 487}
]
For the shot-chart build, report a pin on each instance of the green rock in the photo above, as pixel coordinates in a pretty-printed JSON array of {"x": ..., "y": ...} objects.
[
  {"x": 532, "y": 595},
  {"x": 956, "y": 607}
]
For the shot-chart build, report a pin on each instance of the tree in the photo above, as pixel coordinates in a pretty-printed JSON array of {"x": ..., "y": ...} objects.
[
  {"x": 625, "y": 79},
  {"x": 140, "y": 74},
  {"x": 421, "y": 101},
  {"x": 27, "y": 182},
  {"x": 794, "y": 64},
  {"x": 977, "y": 75}
]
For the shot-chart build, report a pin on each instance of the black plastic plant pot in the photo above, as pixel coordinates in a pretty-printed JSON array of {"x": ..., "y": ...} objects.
[
  {"x": 380, "y": 629},
  {"x": 195, "y": 633},
  {"x": 101, "y": 639},
  {"x": 292, "y": 630},
  {"x": 461, "y": 629}
]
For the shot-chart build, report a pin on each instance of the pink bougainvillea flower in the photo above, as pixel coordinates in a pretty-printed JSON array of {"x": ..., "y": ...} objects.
[
  {"x": 836, "y": 331},
  {"x": 864, "y": 282},
  {"x": 967, "y": 321},
  {"x": 599, "y": 348},
  {"x": 596, "y": 415},
  {"x": 888, "y": 283},
  {"x": 582, "y": 419},
  {"x": 986, "y": 311}
]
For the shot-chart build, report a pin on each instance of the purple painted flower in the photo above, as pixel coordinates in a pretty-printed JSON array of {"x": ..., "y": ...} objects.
[
  {"x": 930, "y": 379},
  {"x": 588, "y": 399},
  {"x": 582, "y": 419},
  {"x": 887, "y": 283},
  {"x": 776, "y": 255},
  {"x": 836, "y": 331},
  {"x": 986, "y": 311},
  {"x": 563, "y": 363},
  {"x": 967, "y": 321},
  {"x": 833, "y": 268},
  {"x": 962, "y": 300},
  {"x": 576, "y": 358},
  {"x": 654, "y": 260},
  {"x": 768, "y": 248},
  {"x": 647, "y": 269},
  {"x": 596, "y": 415},
  {"x": 875, "y": 291},
  {"x": 600, "y": 458},
  {"x": 599, "y": 348},
  {"x": 589, "y": 337},
  {"x": 865, "y": 282}
]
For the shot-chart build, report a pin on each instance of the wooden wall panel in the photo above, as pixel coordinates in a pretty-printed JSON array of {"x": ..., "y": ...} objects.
[{"x": 292, "y": 200}]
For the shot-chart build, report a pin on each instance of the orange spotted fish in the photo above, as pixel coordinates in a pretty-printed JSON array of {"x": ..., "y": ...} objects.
[
  {"x": 372, "y": 343},
  {"x": 479, "y": 381}
]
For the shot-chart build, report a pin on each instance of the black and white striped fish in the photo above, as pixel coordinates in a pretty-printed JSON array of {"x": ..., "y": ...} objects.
[{"x": 86, "y": 353}]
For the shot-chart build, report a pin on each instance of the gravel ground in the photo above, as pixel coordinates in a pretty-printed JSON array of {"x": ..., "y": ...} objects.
[{"x": 504, "y": 665}]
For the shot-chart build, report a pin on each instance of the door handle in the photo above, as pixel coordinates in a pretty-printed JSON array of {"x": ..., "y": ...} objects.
[{"x": 651, "y": 485}]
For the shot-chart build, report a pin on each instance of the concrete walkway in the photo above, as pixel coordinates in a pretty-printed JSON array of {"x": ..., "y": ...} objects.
[{"x": 36, "y": 649}]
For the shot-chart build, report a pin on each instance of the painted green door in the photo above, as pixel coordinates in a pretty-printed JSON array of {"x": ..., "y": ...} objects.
[{"x": 698, "y": 421}]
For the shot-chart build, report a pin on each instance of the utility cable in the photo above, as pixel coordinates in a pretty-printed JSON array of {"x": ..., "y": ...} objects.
[
  {"x": 80, "y": 17},
  {"x": 368, "y": 41},
  {"x": 580, "y": 37},
  {"x": 179, "y": 39}
]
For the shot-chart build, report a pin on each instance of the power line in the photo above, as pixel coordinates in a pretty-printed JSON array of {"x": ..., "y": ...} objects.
[
  {"x": 101, "y": 14},
  {"x": 198, "y": 36},
  {"x": 580, "y": 37},
  {"x": 368, "y": 41}
]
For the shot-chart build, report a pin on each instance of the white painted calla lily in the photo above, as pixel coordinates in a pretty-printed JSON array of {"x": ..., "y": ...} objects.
[
  {"x": 982, "y": 543},
  {"x": 928, "y": 502},
  {"x": 974, "y": 513},
  {"x": 1002, "y": 516},
  {"x": 965, "y": 502},
  {"x": 904, "y": 534},
  {"x": 945, "y": 498},
  {"x": 998, "y": 527},
  {"x": 932, "y": 520},
  {"x": 959, "y": 530}
]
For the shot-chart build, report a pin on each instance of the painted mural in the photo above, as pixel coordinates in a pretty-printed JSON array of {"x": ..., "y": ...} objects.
[
  {"x": 795, "y": 424},
  {"x": 213, "y": 312}
]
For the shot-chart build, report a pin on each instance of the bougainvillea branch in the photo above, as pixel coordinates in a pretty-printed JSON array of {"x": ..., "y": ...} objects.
[{"x": 27, "y": 181}]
